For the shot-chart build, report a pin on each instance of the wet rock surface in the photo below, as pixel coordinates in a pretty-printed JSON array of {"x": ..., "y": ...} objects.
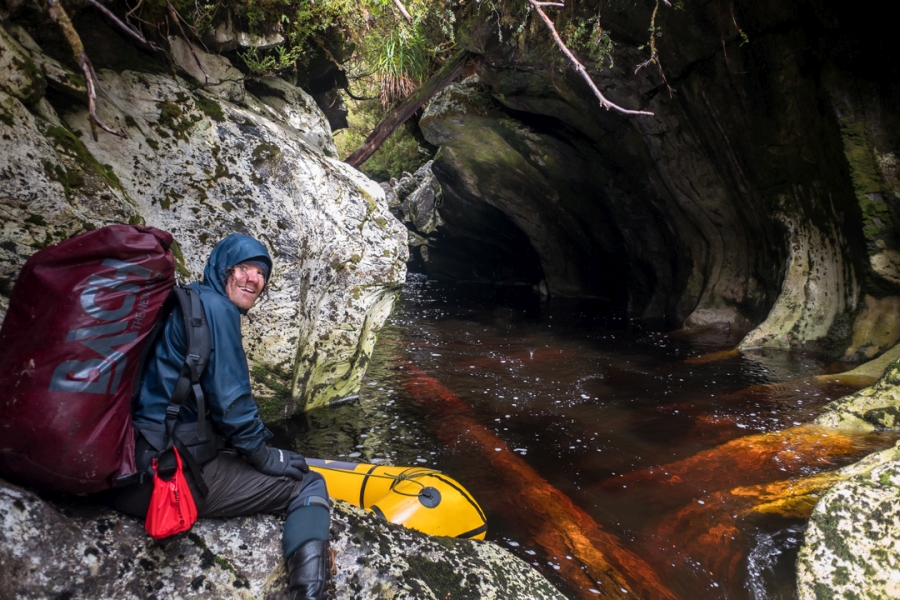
[{"x": 74, "y": 548}]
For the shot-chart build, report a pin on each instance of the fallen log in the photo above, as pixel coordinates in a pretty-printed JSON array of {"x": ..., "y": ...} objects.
[
  {"x": 600, "y": 560},
  {"x": 399, "y": 114}
]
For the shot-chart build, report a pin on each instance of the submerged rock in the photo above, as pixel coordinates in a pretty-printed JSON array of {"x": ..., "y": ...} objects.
[{"x": 71, "y": 547}]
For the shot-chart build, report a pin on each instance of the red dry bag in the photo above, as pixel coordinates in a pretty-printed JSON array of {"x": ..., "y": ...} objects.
[
  {"x": 79, "y": 317},
  {"x": 172, "y": 509}
]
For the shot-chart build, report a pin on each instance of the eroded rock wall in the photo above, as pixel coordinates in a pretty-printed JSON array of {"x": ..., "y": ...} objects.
[
  {"x": 761, "y": 194},
  {"x": 203, "y": 157}
]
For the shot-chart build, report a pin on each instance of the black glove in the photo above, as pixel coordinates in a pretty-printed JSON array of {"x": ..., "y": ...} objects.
[{"x": 273, "y": 461}]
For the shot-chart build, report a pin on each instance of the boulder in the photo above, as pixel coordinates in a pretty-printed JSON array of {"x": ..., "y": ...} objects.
[
  {"x": 202, "y": 158},
  {"x": 852, "y": 542},
  {"x": 72, "y": 547}
]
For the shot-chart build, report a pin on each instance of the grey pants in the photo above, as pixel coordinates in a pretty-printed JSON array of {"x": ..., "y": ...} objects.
[{"x": 235, "y": 489}]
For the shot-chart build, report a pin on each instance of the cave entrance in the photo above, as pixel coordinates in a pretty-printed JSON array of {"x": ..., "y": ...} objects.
[{"x": 477, "y": 243}]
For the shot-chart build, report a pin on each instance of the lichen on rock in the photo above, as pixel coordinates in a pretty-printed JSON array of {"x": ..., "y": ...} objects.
[
  {"x": 852, "y": 543},
  {"x": 73, "y": 547}
]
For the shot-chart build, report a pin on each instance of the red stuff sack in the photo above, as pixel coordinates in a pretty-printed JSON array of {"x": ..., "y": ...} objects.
[
  {"x": 172, "y": 509},
  {"x": 71, "y": 344}
]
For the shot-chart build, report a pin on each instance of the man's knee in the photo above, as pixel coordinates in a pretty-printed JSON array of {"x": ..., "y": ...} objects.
[{"x": 312, "y": 492}]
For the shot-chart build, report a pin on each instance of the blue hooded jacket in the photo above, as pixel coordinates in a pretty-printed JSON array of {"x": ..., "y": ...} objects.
[{"x": 226, "y": 380}]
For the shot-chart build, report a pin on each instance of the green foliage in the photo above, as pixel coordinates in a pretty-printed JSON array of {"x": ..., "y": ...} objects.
[
  {"x": 402, "y": 63},
  {"x": 265, "y": 62},
  {"x": 590, "y": 36},
  {"x": 399, "y": 153}
]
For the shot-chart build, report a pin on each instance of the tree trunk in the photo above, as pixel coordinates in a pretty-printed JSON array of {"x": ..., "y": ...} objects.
[{"x": 399, "y": 114}]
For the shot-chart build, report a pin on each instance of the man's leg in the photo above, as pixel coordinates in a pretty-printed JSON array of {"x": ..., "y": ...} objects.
[
  {"x": 236, "y": 488},
  {"x": 305, "y": 540}
]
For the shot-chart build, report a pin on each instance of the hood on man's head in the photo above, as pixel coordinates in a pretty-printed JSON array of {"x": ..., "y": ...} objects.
[{"x": 232, "y": 250}]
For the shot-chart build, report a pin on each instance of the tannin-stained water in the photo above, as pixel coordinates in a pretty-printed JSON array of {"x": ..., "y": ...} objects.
[{"x": 637, "y": 448}]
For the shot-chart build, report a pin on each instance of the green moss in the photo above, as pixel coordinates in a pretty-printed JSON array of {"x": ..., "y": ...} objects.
[
  {"x": 36, "y": 220},
  {"x": 179, "y": 260},
  {"x": 130, "y": 122},
  {"x": 136, "y": 220},
  {"x": 152, "y": 143},
  {"x": 265, "y": 153},
  {"x": 172, "y": 117},
  {"x": 65, "y": 140},
  {"x": 887, "y": 416},
  {"x": 221, "y": 171},
  {"x": 868, "y": 184},
  {"x": 6, "y": 118},
  {"x": 443, "y": 579},
  {"x": 208, "y": 559},
  {"x": 823, "y": 592},
  {"x": 228, "y": 206},
  {"x": 112, "y": 177},
  {"x": 211, "y": 108},
  {"x": 34, "y": 91},
  {"x": 272, "y": 408}
]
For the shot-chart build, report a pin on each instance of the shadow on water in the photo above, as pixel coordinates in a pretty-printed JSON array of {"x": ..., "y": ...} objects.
[{"x": 645, "y": 447}]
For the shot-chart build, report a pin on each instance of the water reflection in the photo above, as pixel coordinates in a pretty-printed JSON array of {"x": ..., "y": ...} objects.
[{"x": 605, "y": 412}]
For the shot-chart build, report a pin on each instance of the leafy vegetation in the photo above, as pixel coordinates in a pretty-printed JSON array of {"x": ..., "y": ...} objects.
[
  {"x": 398, "y": 154},
  {"x": 589, "y": 35},
  {"x": 387, "y": 48}
]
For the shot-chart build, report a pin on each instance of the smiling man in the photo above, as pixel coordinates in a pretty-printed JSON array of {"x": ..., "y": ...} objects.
[{"x": 242, "y": 473}]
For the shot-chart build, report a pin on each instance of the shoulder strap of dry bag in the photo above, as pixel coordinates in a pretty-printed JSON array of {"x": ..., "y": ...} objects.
[{"x": 199, "y": 346}]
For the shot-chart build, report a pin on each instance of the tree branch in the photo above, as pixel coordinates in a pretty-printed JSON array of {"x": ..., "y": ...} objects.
[
  {"x": 61, "y": 18},
  {"x": 122, "y": 26},
  {"x": 654, "y": 53},
  {"x": 187, "y": 41},
  {"x": 358, "y": 98},
  {"x": 399, "y": 114},
  {"x": 579, "y": 68},
  {"x": 403, "y": 11}
]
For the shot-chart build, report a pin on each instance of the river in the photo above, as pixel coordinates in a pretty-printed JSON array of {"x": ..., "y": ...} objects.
[{"x": 620, "y": 423}]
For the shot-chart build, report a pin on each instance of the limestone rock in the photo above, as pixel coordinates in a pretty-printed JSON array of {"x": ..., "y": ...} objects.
[
  {"x": 761, "y": 193},
  {"x": 876, "y": 329},
  {"x": 874, "y": 407},
  {"x": 202, "y": 166},
  {"x": 852, "y": 543},
  {"x": 224, "y": 36},
  {"x": 214, "y": 72},
  {"x": 24, "y": 80},
  {"x": 74, "y": 548},
  {"x": 297, "y": 110}
]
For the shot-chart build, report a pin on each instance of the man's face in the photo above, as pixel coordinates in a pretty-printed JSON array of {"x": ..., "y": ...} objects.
[{"x": 244, "y": 285}]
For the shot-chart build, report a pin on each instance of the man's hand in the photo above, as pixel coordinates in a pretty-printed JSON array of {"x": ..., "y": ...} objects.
[{"x": 273, "y": 461}]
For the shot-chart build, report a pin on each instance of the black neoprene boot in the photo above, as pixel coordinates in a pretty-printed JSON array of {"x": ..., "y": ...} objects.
[{"x": 310, "y": 571}]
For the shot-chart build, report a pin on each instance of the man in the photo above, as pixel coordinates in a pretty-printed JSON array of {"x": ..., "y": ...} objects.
[{"x": 242, "y": 473}]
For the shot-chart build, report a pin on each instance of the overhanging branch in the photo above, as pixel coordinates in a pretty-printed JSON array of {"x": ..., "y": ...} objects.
[
  {"x": 61, "y": 18},
  {"x": 579, "y": 68},
  {"x": 399, "y": 114}
]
